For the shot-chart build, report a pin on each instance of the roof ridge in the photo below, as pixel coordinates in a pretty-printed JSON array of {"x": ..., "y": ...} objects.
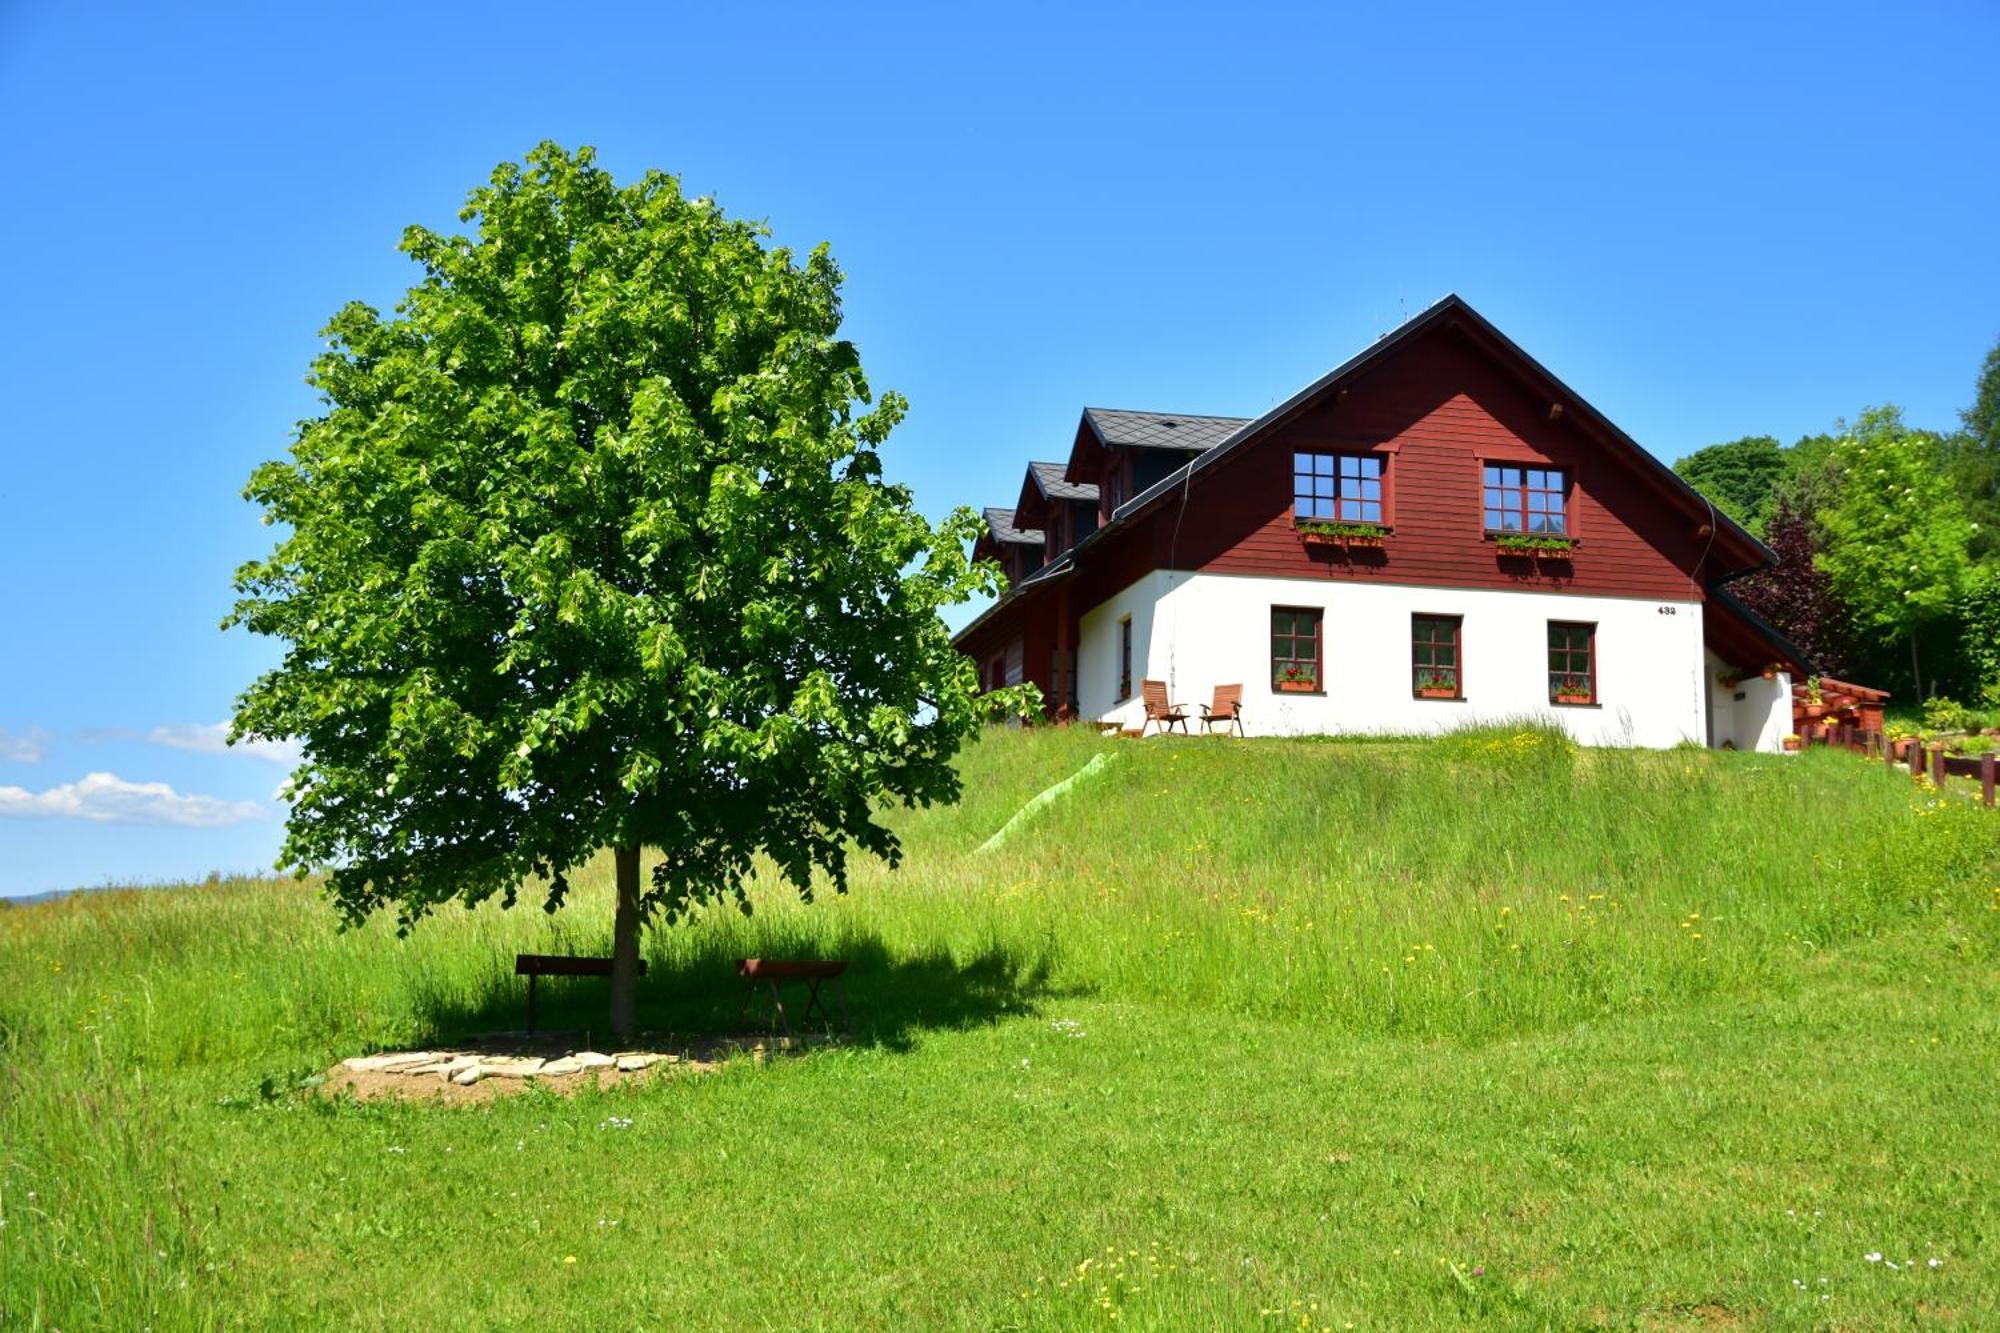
[{"x": 1181, "y": 416}]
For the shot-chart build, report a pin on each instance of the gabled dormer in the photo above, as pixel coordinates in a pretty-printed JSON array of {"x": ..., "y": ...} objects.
[
  {"x": 1125, "y": 453},
  {"x": 1017, "y": 550},
  {"x": 1065, "y": 511}
]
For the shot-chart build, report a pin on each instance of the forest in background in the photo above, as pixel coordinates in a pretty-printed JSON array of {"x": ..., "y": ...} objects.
[{"x": 1888, "y": 544}]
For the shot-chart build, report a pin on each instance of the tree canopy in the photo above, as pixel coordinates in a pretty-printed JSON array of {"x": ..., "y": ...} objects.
[
  {"x": 1883, "y": 540},
  {"x": 591, "y": 547},
  {"x": 1741, "y": 477},
  {"x": 1796, "y": 596},
  {"x": 1974, "y": 455},
  {"x": 1897, "y": 536},
  {"x": 1982, "y": 419}
]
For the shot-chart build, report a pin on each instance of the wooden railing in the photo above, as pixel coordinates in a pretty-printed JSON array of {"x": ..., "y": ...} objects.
[{"x": 1932, "y": 761}]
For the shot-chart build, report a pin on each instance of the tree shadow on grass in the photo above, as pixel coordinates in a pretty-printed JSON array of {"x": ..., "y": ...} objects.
[{"x": 697, "y": 996}]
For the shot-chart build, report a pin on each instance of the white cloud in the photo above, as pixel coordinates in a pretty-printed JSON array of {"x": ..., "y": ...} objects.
[
  {"x": 214, "y": 739},
  {"x": 23, "y": 747},
  {"x": 106, "y": 798}
]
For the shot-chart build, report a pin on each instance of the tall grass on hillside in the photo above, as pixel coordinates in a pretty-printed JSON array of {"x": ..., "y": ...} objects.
[
  {"x": 1489, "y": 883},
  {"x": 1457, "y": 891},
  {"x": 1493, "y": 882}
]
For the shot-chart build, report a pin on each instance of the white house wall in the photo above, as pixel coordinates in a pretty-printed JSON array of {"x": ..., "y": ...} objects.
[
  {"x": 1097, "y": 651},
  {"x": 1197, "y": 631},
  {"x": 1764, "y": 714},
  {"x": 1721, "y": 710},
  {"x": 1754, "y": 714}
]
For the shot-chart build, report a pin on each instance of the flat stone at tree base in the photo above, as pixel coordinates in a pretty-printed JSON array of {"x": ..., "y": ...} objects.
[
  {"x": 453, "y": 1075},
  {"x": 465, "y": 1068},
  {"x": 415, "y": 1060},
  {"x": 392, "y": 1061}
]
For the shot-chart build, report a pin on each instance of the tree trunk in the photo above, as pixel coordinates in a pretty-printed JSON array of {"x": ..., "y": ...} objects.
[
  {"x": 1916, "y": 672},
  {"x": 625, "y": 948}
]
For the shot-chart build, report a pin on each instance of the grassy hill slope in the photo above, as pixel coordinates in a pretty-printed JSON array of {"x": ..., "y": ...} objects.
[{"x": 1310, "y": 1034}]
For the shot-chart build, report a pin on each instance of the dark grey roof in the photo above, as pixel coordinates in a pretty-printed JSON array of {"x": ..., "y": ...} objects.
[
  {"x": 1049, "y": 476},
  {"x": 1000, "y": 522},
  {"x": 1161, "y": 430}
]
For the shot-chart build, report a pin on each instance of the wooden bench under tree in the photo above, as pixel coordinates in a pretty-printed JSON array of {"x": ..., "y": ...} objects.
[
  {"x": 533, "y": 965},
  {"x": 758, "y": 973}
]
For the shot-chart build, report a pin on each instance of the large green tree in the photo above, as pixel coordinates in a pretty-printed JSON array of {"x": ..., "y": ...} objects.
[
  {"x": 1810, "y": 481},
  {"x": 1974, "y": 455},
  {"x": 1896, "y": 534},
  {"x": 1740, "y": 477},
  {"x": 1982, "y": 419},
  {"x": 591, "y": 548}
]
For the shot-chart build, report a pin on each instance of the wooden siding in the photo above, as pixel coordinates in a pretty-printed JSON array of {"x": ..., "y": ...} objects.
[
  {"x": 1025, "y": 632},
  {"x": 1437, "y": 409}
]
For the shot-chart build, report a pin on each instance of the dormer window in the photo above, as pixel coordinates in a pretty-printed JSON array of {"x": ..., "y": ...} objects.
[
  {"x": 1344, "y": 488},
  {"x": 1526, "y": 499}
]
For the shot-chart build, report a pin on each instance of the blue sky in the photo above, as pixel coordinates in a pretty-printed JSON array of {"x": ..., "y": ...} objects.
[{"x": 1711, "y": 223}]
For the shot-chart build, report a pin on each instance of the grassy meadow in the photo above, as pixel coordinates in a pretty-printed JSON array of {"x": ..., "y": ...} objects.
[{"x": 1288, "y": 1034}]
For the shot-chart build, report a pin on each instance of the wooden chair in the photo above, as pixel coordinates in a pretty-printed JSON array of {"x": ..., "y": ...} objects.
[
  {"x": 1225, "y": 712},
  {"x": 1167, "y": 715}
]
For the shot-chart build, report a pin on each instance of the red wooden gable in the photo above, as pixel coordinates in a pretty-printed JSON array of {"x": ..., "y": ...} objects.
[
  {"x": 1437, "y": 399},
  {"x": 1436, "y": 411}
]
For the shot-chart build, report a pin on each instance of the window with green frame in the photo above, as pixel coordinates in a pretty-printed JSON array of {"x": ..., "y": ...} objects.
[
  {"x": 1436, "y": 660},
  {"x": 1295, "y": 647},
  {"x": 1572, "y": 662}
]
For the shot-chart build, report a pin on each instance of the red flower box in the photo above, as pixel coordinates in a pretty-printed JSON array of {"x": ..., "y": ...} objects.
[{"x": 1323, "y": 532}]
